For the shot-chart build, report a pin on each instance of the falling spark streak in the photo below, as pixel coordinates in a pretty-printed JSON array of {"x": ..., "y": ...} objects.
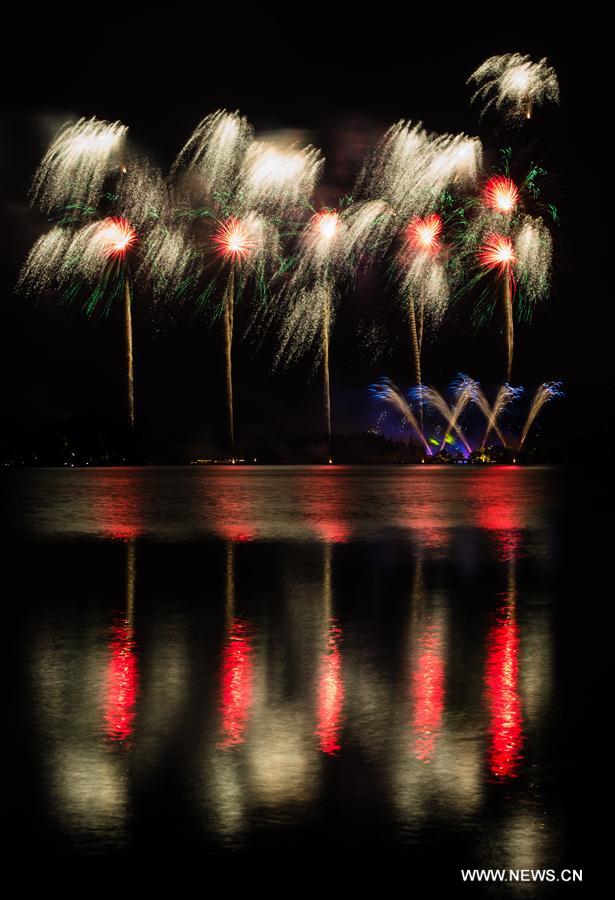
[
  {"x": 533, "y": 253},
  {"x": 75, "y": 166},
  {"x": 514, "y": 85},
  {"x": 429, "y": 396},
  {"x": 504, "y": 398},
  {"x": 410, "y": 168},
  {"x": 215, "y": 151},
  {"x": 550, "y": 390},
  {"x": 466, "y": 391},
  {"x": 387, "y": 391}
]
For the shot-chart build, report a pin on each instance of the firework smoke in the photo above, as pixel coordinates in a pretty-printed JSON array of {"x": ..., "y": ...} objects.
[
  {"x": 514, "y": 85},
  {"x": 74, "y": 169},
  {"x": 276, "y": 179},
  {"x": 550, "y": 390}
]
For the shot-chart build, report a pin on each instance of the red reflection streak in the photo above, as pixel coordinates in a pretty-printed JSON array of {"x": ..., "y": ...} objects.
[
  {"x": 428, "y": 693},
  {"x": 502, "y": 679},
  {"x": 122, "y": 680},
  {"x": 117, "y": 509},
  {"x": 330, "y": 693},
  {"x": 323, "y": 504},
  {"x": 236, "y": 678},
  {"x": 499, "y": 511}
]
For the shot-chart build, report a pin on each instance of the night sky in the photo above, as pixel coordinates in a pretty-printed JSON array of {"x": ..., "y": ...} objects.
[{"x": 340, "y": 85}]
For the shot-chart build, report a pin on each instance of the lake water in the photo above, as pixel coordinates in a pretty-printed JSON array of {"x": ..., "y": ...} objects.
[{"x": 349, "y": 663}]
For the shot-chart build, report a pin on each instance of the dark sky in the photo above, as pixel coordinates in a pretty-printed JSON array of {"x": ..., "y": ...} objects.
[{"x": 342, "y": 80}]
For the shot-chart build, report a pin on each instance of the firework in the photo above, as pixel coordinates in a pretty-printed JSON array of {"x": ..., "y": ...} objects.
[
  {"x": 533, "y": 252},
  {"x": 498, "y": 254},
  {"x": 411, "y": 168},
  {"x": 504, "y": 397},
  {"x": 428, "y": 396},
  {"x": 215, "y": 152},
  {"x": 550, "y": 390},
  {"x": 308, "y": 321},
  {"x": 96, "y": 254},
  {"x": 142, "y": 195},
  {"x": 423, "y": 233},
  {"x": 514, "y": 85},
  {"x": 465, "y": 391},
  {"x": 45, "y": 265},
  {"x": 455, "y": 159},
  {"x": 167, "y": 261},
  {"x": 423, "y": 281},
  {"x": 74, "y": 169},
  {"x": 232, "y": 183},
  {"x": 501, "y": 194},
  {"x": 387, "y": 391},
  {"x": 276, "y": 179}
]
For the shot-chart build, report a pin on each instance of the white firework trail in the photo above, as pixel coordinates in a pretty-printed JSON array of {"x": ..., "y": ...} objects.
[
  {"x": 215, "y": 151},
  {"x": 387, "y": 391},
  {"x": 533, "y": 253},
  {"x": 504, "y": 397},
  {"x": 550, "y": 390},
  {"x": 410, "y": 168},
  {"x": 45, "y": 262},
  {"x": 514, "y": 85},
  {"x": 167, "y": 260},
  {"x": 76, "y": 165},
  {"x": 142, "y": 195},
  {"x": 428, "y": 396}
]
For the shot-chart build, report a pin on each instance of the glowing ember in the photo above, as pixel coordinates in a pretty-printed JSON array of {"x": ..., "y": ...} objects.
[
  {"x": 117, "y": 236},
  {"x": 326, "y": 224},
  {"x": 497, "y": 253},
  {"x": 233, "y": 240},
  {"x": 501, "y": 194},
  {"x": 423, "y": 233}
]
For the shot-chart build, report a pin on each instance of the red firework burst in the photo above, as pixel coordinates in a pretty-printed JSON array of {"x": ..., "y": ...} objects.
[
  {"x": 497, "y": 253},
  {"x": 118, "y": 236},
  {"x": 233, "y": 240},
  {"x": 325, "y": 223},
  {"x": 501, "y": 194},
  {"x": 423, "y": 233}
]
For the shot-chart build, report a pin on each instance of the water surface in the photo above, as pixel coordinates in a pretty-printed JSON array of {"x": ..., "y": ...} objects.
[{"x": 333, "y": 661}]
